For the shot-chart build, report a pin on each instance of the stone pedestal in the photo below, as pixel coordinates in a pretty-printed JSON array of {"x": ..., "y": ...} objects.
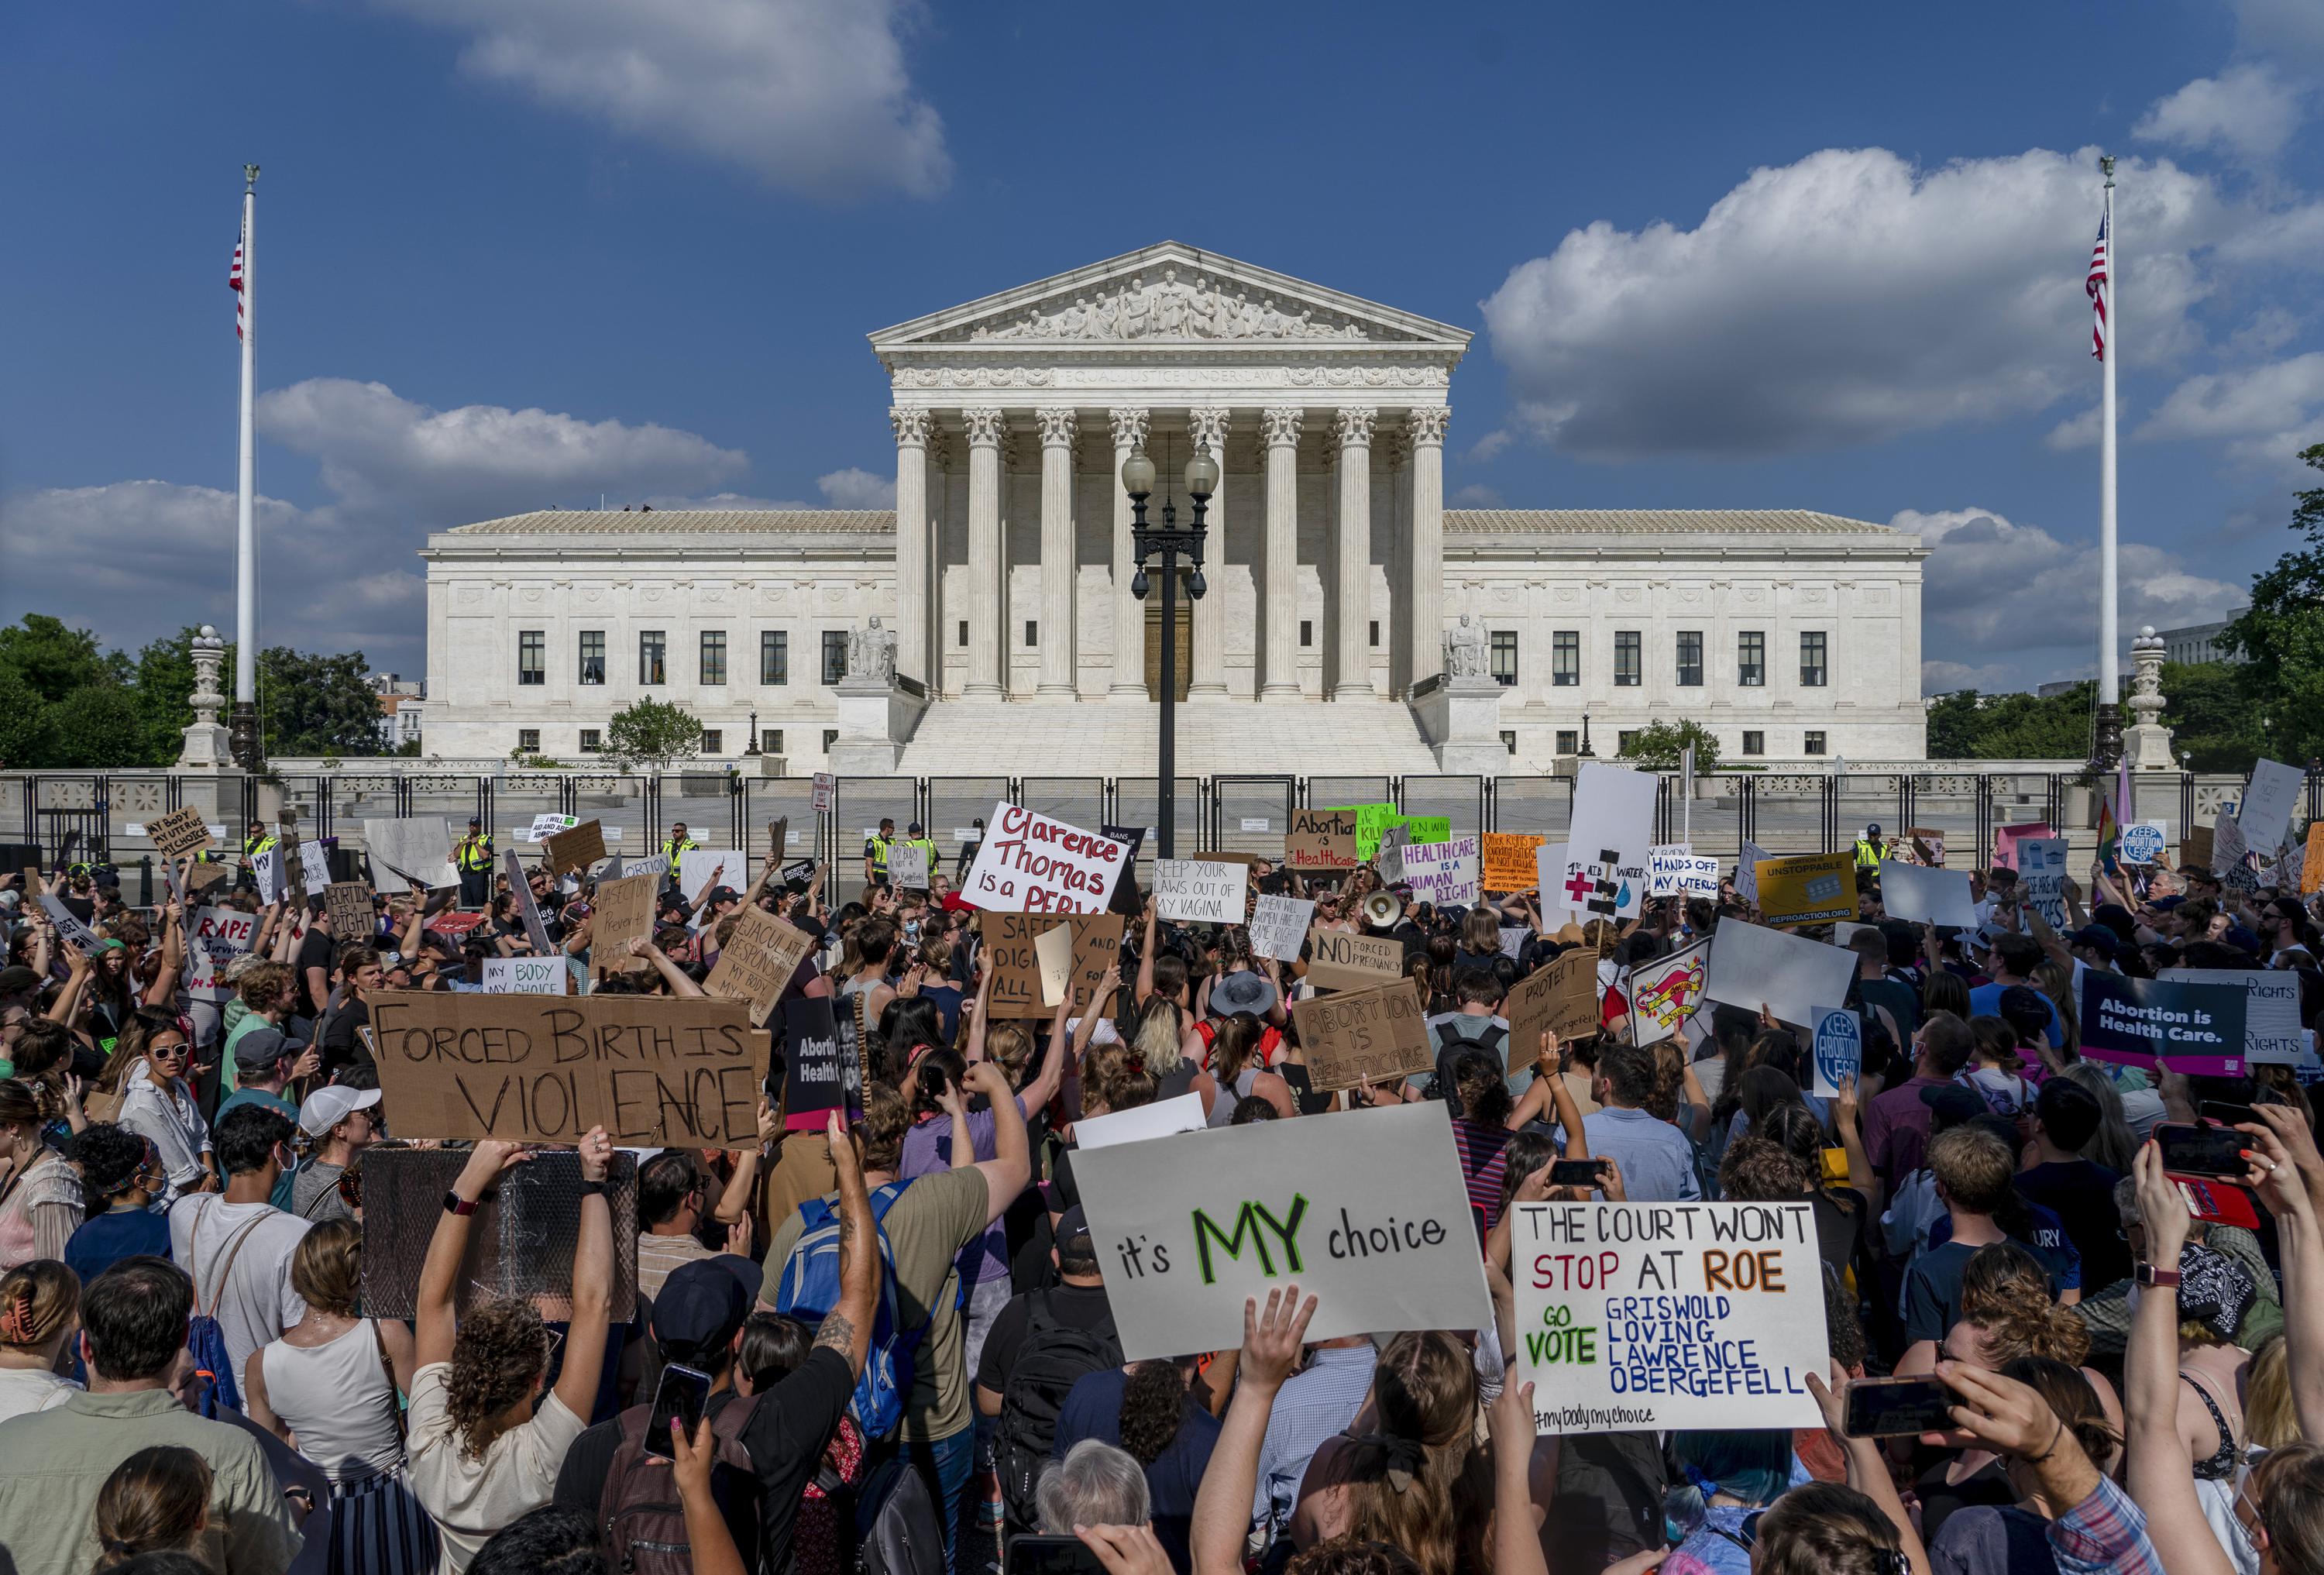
[
  {"x": 1461, "y": 717},
  {"x": 876, "y": 719}
]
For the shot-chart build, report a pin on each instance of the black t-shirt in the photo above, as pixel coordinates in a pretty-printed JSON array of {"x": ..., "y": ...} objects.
[
  {"x": 581, "y": 1480},
  {"x": 1073, "y": 1306},
  {"x": 318, "y": 949},
  {"x": 2081, "y": 1192},
  {"x": 787, "y": 1436}
]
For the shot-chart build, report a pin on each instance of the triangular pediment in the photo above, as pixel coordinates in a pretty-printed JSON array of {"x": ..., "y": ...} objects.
[{"x": 1170, "y": 294}]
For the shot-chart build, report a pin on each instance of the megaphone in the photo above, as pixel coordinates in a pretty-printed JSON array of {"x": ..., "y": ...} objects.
[{"x": 1382, "y": 909}]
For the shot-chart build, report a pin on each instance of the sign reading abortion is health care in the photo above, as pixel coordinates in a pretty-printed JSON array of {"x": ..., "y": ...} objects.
[{"x": 1640, "y": 1316}]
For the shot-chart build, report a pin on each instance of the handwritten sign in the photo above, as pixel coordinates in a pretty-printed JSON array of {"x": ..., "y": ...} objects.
[
  {"x": 1509, "y": 859},
  {"x": 577, "y": 849},
  {"x": 180, "y": 833},
  {"x": 1016, "y": 965},
  {"x": 1673, "y": 870},
  {"x": 1340, "y": 960},
  {"x": 2143, "y": 840},
  {"x": 1445, "y": 873},
  {"x": 1839, "y": 1036},
  {"x": 1320, "y": 839},
  {"x": 354, "y": 921},
  {"x": 1278, "y": 926},
  {"x": 907, "y": 868},
  {"x": 524, "y": 976},
  {"x": 1634, "y": 1317},
  {"x": 756, "y": 963},
  {"x": 1666, "y": 992},
  {"x": 1030, "y": 863},
  {"x": 2197, "y": 1028},
  {"x": 1366, "y": 1210},
  {"x": 625, "y": 913},
  {"x": 214, "y": 939},
  {"x": 1807, "y": 889},
  {"x": 653, "y": 1072},
  {"x": 1200, "y": 891},
  {"x": 1560, "y": 996},
  {"x": 819, "y": 1076}
]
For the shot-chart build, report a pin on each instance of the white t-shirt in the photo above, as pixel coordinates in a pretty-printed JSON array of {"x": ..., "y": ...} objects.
[
  {"x": 256, "y": 1303},
  {"x": 473, "y": 1499},
  {"x": 23, "y": 1391}
]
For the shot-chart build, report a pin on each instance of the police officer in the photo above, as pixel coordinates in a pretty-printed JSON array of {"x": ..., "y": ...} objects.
[
  {"x": 875, "y": 853},
  {"x": 1867, "y": 849},
  {"x": 471, "y": 856}
]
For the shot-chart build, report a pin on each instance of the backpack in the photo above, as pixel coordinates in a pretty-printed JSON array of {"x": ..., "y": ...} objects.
[
  {"x": 809, "y": 1290},
  {"x": 204, "y": 1340},
  {"x": 1052, "y": 1359},
  {"x": 638, "y": 1507}
]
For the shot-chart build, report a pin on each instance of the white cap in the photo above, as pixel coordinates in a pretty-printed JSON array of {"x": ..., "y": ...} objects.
[{"x": 330, "y": 1105}]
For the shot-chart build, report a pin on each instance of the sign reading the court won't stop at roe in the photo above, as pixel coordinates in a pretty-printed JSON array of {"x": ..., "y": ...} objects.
[
  {"x": 541, "y": 1069},
  {"x": 1633, "y": 1317}
]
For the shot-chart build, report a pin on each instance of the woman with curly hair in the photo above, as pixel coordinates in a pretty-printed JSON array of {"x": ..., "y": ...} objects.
[
  {"x": 1407, "y": 1472},
  {"x": 480, "y": 1454}
]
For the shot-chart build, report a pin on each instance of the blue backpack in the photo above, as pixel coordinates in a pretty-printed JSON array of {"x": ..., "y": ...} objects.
[
  {"x": 204, "y": 1340},
  {"x": 809, "y": 1290}
]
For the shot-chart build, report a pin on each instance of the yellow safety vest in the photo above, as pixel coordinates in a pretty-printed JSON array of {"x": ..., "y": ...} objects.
[{"x": 474, "y": 852}]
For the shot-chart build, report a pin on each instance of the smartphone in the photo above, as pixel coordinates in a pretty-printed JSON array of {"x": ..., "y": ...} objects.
[
  {"x": 1880, "y": 1407},
  {"x": 683, "y": 1395},
  {"x": 2203, "y": 1150},
  {"x": 1574, "y": 1172},
  {"x": 1045, "y": 1555},
  {"x": 2228, "y": 1115}
]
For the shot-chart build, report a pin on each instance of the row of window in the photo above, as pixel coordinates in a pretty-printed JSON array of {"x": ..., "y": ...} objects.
[
  {"x": 653, "y": 656},
  {"x": 713, "y": 740},
  {"x": 1629, "y": 658},
  {"x": 1569, "y": 741}
]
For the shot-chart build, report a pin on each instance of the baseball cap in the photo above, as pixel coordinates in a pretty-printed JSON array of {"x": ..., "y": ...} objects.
[
  {"x": 1952, "y": 1104},
  {"x": 330, "y": 1105},
  {"x": 697, "y": 1310}
]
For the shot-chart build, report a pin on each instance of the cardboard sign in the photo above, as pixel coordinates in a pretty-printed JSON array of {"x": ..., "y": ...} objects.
[
  {"x": 818, "y": 1075},
  {"x": 180, "y": 833},
  {"x": 1016, "y": 965},
  {"x": 756, "y": 963},
  {"x": 2143, "y": 840},
  {"x": 1838, "y": 1036},
  {"x": 1675, "y": 870},
  {"x": 2197, "y": 1028},
  {"x": 1753, "y": 966},
  {"x": 826, "y": 793},
  {"x": 1162, "y": 1118},
  {"x": 1341, "y": 960},
  {"x": 1666, "y": 992},
  {"x": 1562, "y": 996},
  {"x": 1031, "y": 863},
  {"x": 1201, "y": 890},
  {"x": 1052, "y": 955},
  {"x": 525, "y": 976},
  {"x": 653, "y": 1072},
  {"x": 1510, "y": 861},
  {"x": 216, "y": 937},
  {"x": 2273, "y": 1033},
  {"x": 354, "y": 921},
  {"x": 1806, "y": 889},
  {"x": 1320, "y": 839},
  {"x": 1927, "y": 896},
  {"x": 705, "y": 867},
  {"x": 1605, "y": 845},
  {"x": 1364, "y": 1035},
  {"x": 1366, "y": 1210},
  {"x": 625, "y": 913},
  {"x": 1278, "y": 926},
  {"x": 907, "y": 868},
  {"x": 1445, "y": 873},
  {"x": 2265, "y": 814},
  {"x": 68, "y": 927},
  {"x": 576, "y": 850},
  {"x": 1647, "y": 1316},
  {"x": 413, "y": 852}
]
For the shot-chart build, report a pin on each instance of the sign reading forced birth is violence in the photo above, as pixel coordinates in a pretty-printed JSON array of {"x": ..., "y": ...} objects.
[
  {"x": 545, "y": 1069},
  {"x": 1366, "y": 1210},
  {"x": 1633, "y": 1317}
]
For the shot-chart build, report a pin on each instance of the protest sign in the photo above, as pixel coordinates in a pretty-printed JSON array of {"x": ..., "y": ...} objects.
[
  {"x": 756, "y": 963},
  {"x": 2266, "y": 813},
  {"x": 1363, "y": 1035},
  {"x": 69, "y": 926},
  {"x": 1367, "y": 1212},
  {"x": 1444, "y": 872},
  {"x": 1838, "y": 1036},
  {"x": 1163, "y": 1119},
  {"x": 2273, "y": 1033},
  {"x": 214, "y": 939},
  {"x": 2195, "y": 1029},
  {"x": 825, "y": 794},
  {"x": 1029, "y": 862},
  {"x": 180, "y": 833},
  {"x": 1008, "y": 951},
  {"x": 1806, "y": 889},
  {"x": 625, "y": 913},
  {"x": 1510, "y": 861},
  {"x": 1052, "y": 955},
  {"x": 2006, "y": 838},
  {"x": 524, "y": 976},
  {"x": 1606, "y": 845},
  {"x": 545, "y": 826},
  {"x": 1279, "y": 926},
  {"x": 1927, "y": 896},
  {"x": 527, "y": 908},
  {"x": 907, "y": 868},
  {"x": 576, "y": 849},
  {"x": 2141, "y": 841},
  {"x": 653, "y": 1071},
  {"x": 1665, "y": 992},
  {"x": 412, "y": 852},
  {"x": 709, "y": 867},
  {"x": 354, "y": 921},
  {"x": 1753, "y": 966},
  {"x": 1320, "y": 839},
  {"x": 1200, "y": 891},
  {"x": 818, "y": 1075},
  {"x": 1341, "y": 960},
  {"x": 1636, "y": 1317},
  {"x": 2041, "y": 873},
  {"x": 1673, "y": 870},
  {"x": 1561, "y": 997}
]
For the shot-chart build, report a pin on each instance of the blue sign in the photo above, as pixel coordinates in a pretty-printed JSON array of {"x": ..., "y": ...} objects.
[{"x": 1838, "y": 1046}]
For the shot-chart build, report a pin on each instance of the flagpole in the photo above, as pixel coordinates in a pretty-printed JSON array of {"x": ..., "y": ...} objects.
[
  {"x": 2107, "y": 746},
  {"x": 243, "y": 737}
]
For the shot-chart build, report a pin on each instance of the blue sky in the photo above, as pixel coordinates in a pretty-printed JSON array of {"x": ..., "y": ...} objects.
[{"x": 523, "y": 252}]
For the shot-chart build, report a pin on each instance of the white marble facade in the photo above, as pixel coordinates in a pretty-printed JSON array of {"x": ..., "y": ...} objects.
[{"x": 1004, "y": 568}]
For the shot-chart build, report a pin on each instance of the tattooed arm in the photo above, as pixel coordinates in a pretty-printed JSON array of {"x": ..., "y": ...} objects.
[{"x": 847, "y": 1328}]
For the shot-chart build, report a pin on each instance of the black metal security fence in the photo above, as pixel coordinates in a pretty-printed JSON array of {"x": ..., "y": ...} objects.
[{"x": 103, "y": 815}]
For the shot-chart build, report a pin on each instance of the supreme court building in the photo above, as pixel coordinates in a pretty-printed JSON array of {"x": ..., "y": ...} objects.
[{"x": 1337, "y": 579}]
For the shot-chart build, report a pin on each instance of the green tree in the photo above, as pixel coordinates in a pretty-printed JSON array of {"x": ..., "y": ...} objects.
[
  {"x": 2281, "y": 637},
  {"x": 1656, "y": 747},
  {"x": 651, "y": 736},
  {"x": 309, "y": 703}
]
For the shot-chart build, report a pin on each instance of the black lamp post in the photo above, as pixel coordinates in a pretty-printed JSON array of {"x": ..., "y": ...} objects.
[{"x": 1169, "y": 541}]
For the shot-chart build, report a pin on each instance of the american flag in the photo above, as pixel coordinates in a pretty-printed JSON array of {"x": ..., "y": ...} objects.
[
  {"x": 234, "y": 284},
  {"x": 2095, "y": 287}
]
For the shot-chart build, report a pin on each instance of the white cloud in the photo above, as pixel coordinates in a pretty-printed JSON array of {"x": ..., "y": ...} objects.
[
  {"x": 1847, "y": 299},
  {"x": 857, "y": 489},
  {"x": 813, "y": 96},
  {"x": 2247, "y": 111}
]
